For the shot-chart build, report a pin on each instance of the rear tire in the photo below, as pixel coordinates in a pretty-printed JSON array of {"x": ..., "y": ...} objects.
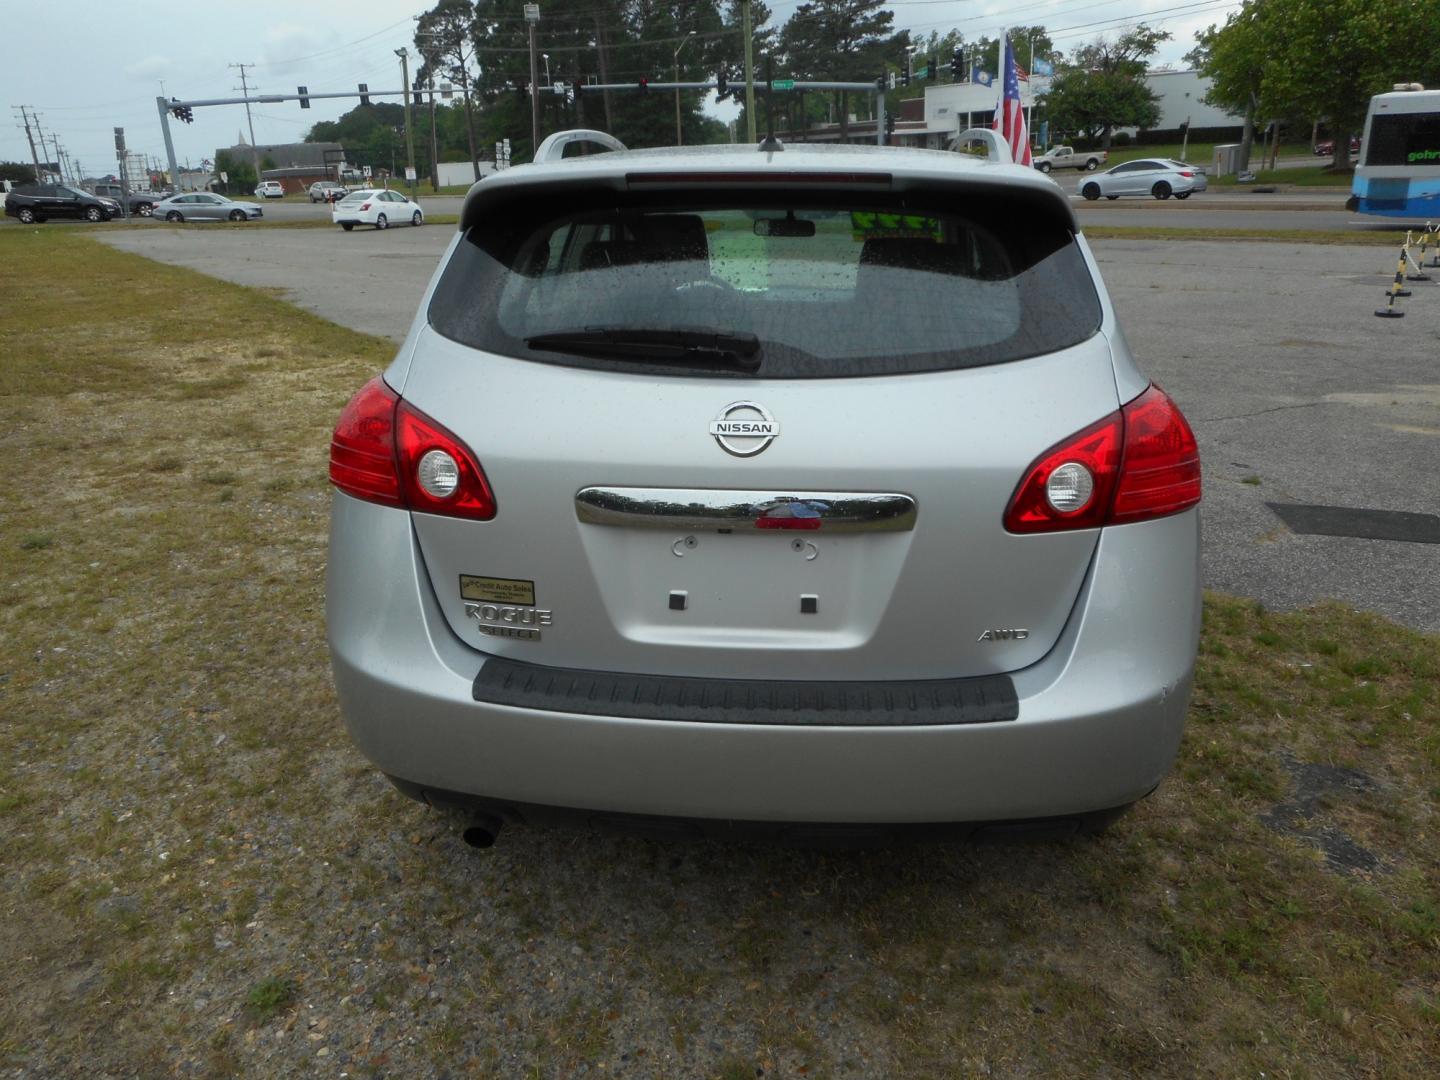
[
  {"x": 347, "y": 225},
  {"x": 1161, "y": 190},
  {"x": 1091, "y": 165},
  {"x": 417, "y": 219},
  {"x": 382, "y": 222},
  {"x": 237, "y": 215},
  {"x": 1091, "y": 192},
  {"x": 93, "y": 213},
  {"x": 145, "y": 209},
  {"x": 26, "y": 216},
  {"x": 174, "y": 215}
]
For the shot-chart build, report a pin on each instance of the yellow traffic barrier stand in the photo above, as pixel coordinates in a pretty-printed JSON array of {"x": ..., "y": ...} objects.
[
  {"x": 1417, "y": 271},
  {"x": 1396, "y": 289}
]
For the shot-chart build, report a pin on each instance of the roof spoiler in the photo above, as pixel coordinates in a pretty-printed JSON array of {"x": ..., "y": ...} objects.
[
  {"x": 553, "y": 148},
  {"x": 996, "y": 149}
]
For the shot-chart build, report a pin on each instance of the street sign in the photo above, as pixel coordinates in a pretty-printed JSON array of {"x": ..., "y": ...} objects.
[
  {"x": 782, "y": 84},
  {"x": 224, "y": 177},
  {"x": 410, "y": 173},
  {"x": 922, "y": 73}
]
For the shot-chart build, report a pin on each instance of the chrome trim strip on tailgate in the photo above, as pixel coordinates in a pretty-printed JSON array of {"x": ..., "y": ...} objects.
[{"x": 685, "y": 508}]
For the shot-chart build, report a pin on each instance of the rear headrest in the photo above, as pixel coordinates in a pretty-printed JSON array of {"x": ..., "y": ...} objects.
[{"x": 674, "y": 236}]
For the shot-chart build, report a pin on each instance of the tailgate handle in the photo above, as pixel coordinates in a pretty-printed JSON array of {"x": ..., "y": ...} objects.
[{"x": 701, "y": 508}]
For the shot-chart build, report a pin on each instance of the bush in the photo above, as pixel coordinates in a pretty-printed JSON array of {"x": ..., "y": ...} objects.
[{"x": 1122, "y": 138}]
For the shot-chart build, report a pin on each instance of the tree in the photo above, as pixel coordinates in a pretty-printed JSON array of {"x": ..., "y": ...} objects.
[
  {"x": 444, "y": 38},
  {"x": 241, "y": 172},
  {"x": 840, "y": 40},
  {"x": 16, "y": 172},
  {"x": 1234, "y": 59},
  {"x": 1103, "y": 86},
  {"x": 1326, "y": 60}
]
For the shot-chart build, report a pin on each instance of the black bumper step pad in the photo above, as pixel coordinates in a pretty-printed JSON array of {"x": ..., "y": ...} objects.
[{"x": 984, "y": 700}]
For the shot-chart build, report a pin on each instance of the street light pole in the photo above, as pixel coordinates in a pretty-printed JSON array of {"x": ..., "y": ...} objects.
[
  {"x": 532, "y": 16},
  {"x": 404, "y": 55},
  {"x": 679, "y": 141}
]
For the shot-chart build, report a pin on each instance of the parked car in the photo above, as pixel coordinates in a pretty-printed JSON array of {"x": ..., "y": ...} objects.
[
  {"x": 700, "y": 495},
  {"x": 1158, "y": 177},
  {"x": 270, "y": 189},
  {"x": 34, "y": 203},
  {"x": 1065, "y": 157},
  {"x": 205, "y": 206},
  {"x": 326, "y": 191},
  {"x": 141, "y": 202},
  {"x": 371, "y": 206},
  {"x": 1326, "y": 147}
]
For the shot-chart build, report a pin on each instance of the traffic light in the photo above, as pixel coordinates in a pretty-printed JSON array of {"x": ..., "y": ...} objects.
[
  {"x": 302, "y": 91},
  {"x": 933, "y": 69},
  {"x": 522, "y": 89},
  {"x": 182, "y": 112},
  {"x": 578, "y": 85},
  {"x": 957, "y": 64},
  {"x": 722, "y": 87},
  {"x": 364, "y": 93},
  {"x": 905, "y": 72},
  {"x": 644, "y": 86},
  {"x": 889, "y": 124}
]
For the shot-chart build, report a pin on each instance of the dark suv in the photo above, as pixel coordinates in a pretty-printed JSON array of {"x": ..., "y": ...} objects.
[{"x": 40, "y": 202}]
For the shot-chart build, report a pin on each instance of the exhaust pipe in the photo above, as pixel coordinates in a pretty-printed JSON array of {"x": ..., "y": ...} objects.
[{"x": 481, "y": 830}]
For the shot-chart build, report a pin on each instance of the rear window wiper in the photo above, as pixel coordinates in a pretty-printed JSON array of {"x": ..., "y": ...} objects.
[{"x": 700, "y": 346}]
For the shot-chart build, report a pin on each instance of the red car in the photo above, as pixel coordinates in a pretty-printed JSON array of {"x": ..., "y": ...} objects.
[{"x": 1326, "y": 147}]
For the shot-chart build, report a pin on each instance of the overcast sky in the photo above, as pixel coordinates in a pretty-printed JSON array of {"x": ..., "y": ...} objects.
[{"x": 88, "y": 66}]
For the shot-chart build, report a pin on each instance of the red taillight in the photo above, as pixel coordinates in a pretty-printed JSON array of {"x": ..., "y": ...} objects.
[
  {"x": 1141, "y": 462},
  {"x": 362, "y": 449},
  {"x": 365, "y": 206},
  {"x": 1186, "y": 173},
  {"x": 1160, "y": 473},
  {"x": 377, "y": 449}
]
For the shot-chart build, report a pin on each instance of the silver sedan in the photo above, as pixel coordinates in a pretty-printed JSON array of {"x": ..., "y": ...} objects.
[
  {"x": 1157, "y": 177},
  {"x": 204, "y": 206}
]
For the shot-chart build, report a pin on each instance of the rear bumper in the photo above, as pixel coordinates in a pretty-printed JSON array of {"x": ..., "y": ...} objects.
[{"x": 1100, "y": 716}]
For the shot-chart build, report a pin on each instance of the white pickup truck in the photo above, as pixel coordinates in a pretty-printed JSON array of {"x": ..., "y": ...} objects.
[{"x": 1065, "y": 157}]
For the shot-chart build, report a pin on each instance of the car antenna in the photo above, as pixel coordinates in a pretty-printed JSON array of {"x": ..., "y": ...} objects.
[{"x": 770, "y": 143}]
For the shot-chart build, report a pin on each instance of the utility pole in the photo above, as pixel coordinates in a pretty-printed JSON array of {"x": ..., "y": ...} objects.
[
  {"x": 749, "y": 73},
  {"x": 532, "y": 16},
  {"x": 244, "y": 88},
  {"x": 434, "y": 141},
  {"x": 25, "y": 119},
  {"x": 404, "y": 55},
  {"x": 163, "y": 108}
]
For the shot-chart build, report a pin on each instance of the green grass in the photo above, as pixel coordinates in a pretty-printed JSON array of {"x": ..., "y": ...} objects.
[
  {"x": 1377, "y": 238},
  {"x": 1315, "y": 176},
  {"x": 196, "y": 864}
]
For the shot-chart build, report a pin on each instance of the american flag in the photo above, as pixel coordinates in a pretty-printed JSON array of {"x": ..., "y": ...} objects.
[{"x": 1009, "y": 115}]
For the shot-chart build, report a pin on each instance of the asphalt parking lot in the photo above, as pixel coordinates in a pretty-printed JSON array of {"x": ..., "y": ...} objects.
[{"x": 1298, "y": 394}]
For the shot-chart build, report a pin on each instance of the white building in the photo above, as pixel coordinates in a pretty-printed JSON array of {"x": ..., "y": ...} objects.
[{"x": 1182, "y": 98}]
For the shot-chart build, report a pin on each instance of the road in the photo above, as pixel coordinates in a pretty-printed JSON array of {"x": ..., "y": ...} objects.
[{"x": 1297, "y": 393}]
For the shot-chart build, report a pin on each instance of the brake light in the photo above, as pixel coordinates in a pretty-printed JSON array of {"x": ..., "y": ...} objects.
[
  {"x": 1136, "y": 464},
  {"x": 365, "y": 206},
  {"x": 1183, "y": 173},
  {"x": 384, "y": 450}
]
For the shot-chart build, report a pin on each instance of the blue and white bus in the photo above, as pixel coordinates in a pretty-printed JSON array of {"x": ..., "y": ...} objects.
[{"x": 1399, "y": 170}]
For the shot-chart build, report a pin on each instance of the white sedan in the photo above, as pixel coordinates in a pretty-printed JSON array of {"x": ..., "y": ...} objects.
[
  {"x": 372, "y": 206},
  {"x": 1159, "y": 177}
]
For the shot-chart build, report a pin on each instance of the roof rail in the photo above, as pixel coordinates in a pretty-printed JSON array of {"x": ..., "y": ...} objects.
[
  {"x": 553, "y": 148},
  {"x": 996, "y": 148}
]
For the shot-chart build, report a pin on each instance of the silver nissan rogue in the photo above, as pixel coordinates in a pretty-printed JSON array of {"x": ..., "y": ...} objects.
[{"x": 804, "y": 490}]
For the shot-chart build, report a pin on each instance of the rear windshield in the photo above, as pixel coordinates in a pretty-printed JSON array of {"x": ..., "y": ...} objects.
[
  {"x": 358, "y": 196},
  {"x": 865, "y": 286}
]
